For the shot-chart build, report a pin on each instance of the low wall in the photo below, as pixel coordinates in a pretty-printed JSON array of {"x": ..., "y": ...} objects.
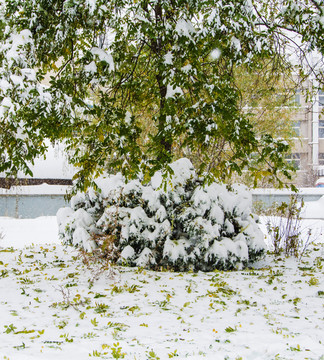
[
  {"x": 269, "y": 196},
  {"x": 31, "y": 206},
  {"x": 28, "y": 202},
  {"x": 44, "y": 200}
]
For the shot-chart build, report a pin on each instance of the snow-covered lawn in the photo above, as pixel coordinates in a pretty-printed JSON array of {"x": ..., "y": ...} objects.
[{"x": 49, "y": 310}]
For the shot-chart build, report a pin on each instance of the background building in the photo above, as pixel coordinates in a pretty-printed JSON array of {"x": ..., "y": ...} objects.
[{"x": 308, "y": 150}]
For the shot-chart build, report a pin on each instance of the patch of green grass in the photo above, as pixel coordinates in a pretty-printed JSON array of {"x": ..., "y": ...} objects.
[
  {"x": 9, "y": 328},
  {"x": 117, "y": 325},
  {"x": 229, "y": 329},
  {"x": 100, "y": 308},
  {"x": 313, "y": 281},
  {"x": 151, "y": 355}
]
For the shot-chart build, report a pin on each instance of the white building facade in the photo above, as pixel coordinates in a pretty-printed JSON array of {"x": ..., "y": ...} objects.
[{"x": 308, "y": 151}]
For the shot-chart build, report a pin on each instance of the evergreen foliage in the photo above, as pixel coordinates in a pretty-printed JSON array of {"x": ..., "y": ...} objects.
[{"x": 187, "y": 225}]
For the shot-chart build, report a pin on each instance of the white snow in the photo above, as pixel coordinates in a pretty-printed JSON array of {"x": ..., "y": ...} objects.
[
  {"x": 6, "y": 102},
  {"x": 109, "y": 183},
  {"x": 29, "y": 74},
  {"x": 25, "y": 232},
  {"x": 215, "y": 54},
  {"x": 168, "y": 58},
  {"x": 313, "y": 209},
  {"x": 175, "y": 249},
  {"x": 183, "y": 170},
  {"x": 16, "y": 44},
  {"x": 49, "y": 310},
  {"x": 186, "y": 68},
  {"x": 17, "y": 80},
  {"x": 236, "y": 43},
  {"x": 127, "y": 253},
  {"x": 4, "y": 85},
  {"x": 104, "y": 56},
  {"x": 92, "y": 5},
  {"x": 63, "y": 216},
  {"x": 91, "y": 68},
  {"x": 173, "y": 90},
  {"x": 184, "y": 28},
  {"x": 148, "y": 222},
  {"x": 82, "y": 218},
  {"x": 145, "y": 258},
  {"x": 128, "y": 118}
]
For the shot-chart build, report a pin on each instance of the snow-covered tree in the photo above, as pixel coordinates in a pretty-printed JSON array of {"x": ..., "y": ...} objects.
[
  {"x": 125, "y": 82},
  {"x": 187, "y": 225}
]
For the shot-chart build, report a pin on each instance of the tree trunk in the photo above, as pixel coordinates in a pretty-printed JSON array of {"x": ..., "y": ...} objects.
[{"x": 166, "y": 144}]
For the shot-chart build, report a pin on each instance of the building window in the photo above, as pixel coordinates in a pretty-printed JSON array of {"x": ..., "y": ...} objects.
[
  {"x": 297, "y": 98},
  {"x": 321, "y": 98},
  {"x": 296, "y": 129},
  {"x": 294, "y": 159},
  {"x": 321, "y": 159},
  {"x": 321, "y": 129}
]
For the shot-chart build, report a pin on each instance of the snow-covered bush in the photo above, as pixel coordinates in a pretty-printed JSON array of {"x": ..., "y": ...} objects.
[{"x": 183, "y": 225}]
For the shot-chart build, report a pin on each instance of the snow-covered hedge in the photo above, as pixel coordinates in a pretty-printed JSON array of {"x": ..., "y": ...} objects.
[{"x": 186, "y": 226}]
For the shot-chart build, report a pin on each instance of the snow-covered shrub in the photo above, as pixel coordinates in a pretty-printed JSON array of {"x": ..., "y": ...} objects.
[{"x": 185, "y": 225}]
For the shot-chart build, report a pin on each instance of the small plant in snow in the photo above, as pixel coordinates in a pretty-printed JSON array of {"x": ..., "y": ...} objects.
[
  {"x": 313, "y": 281},
  {"x": 66, "y": 338},
  {"x": 94, "y": 322},
  {"x": 9, "y": 328},
  {"x": 285, "y": 229},
  {"x": 152, "y": 355},
  {"x": 116, "y": 351},
  {"x": 173, "y": 354},
  {"x": 182, "y": 226},
  {"x": 67, "y": 302},
  {"x": 230, "y": 329},
  {"x": 62, "y": 324},
  {"x": 101, "y": 308},
  {"x": 89, "y": 335}
]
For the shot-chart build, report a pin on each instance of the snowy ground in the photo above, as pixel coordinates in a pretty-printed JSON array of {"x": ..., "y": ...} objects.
[{"x": 49, "y": 310}]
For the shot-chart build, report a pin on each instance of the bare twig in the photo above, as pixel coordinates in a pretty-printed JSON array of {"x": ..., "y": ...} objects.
[{"x": 286, "y": 231}]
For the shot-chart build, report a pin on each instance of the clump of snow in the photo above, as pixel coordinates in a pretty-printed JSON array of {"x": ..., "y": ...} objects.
[
  {"x": 77, "y": 226},
  {"x": 183, "y": 225},
  {"x": 236, "y": 43},
  {"x": 182, "y": 170},
  {"x": 186, "y": 68},
  {"x": 110, "y": 183},
  {"x": 215, "y": 54},
  {"x": 172, "y": 91},
  {"x": 184, "y": 28},
  {"x": 127, "y": 253},
  {"x": 91, "y": 68},
  {"x": 15, "y": 45},
  {"x": 63, "y": 216},
  {"x": 104, "y": 56},
  {"x": 168, "y": 58},
  {"x": 92, "y": 5},
  {"x": 128, "y": 118}
]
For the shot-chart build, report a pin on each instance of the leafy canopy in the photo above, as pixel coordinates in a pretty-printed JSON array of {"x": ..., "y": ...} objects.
[{"x": 130, "y": 84}]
